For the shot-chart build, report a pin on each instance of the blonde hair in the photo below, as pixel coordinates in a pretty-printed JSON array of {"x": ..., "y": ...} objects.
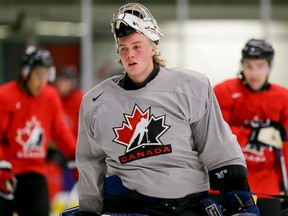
[{"x": 158, "y": 61}]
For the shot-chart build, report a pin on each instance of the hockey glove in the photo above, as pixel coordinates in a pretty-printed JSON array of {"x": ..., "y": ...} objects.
[
  {"x": 214, "y": 207},
  {"x": 268, "y": 133},
  {"x": 7, "y": 180},
  {"x": 72, "y": 166},
  {"x": 242, "y": 203},
  {"x": 238, "y": 201}
]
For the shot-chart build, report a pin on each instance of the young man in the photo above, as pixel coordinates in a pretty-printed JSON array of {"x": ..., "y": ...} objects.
[
  {"x": 257, "y": 113},
  {"x": 66, "y": 84},
  {"x": 31, "y": 114},
  {"x": 149, "y": 140}
]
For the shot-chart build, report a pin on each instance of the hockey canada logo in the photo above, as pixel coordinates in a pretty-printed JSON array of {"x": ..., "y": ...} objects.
[
  {"x": 140, "y": 133},
  {"x": 31, "y": 138}
]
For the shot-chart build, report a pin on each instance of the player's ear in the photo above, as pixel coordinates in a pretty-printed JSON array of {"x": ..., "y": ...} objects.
[{"x": 153, "y": 50}]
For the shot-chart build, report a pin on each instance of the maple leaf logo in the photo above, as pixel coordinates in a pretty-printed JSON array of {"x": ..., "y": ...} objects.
[
  {"x": 141, "y": 129},
  {"x": 31, "y": 136}
]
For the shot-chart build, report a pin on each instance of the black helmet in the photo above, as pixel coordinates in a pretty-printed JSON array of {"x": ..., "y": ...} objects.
[
  {"x": 33, "y": 57},
  {"x": 258, "y": 49},
  {"x": 68, "y": 72}
]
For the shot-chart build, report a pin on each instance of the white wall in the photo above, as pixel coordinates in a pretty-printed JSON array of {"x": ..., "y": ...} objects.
[{"x": 214, "y": 47}]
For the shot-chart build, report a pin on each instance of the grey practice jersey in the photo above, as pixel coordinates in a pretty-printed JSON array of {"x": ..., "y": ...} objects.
[{"x": 160, "y": 139}]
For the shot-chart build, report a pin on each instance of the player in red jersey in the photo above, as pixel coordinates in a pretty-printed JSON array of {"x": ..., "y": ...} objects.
[
  {"x": 257, "y": 112},
  {"x": 66, "y": 84},
  {"x": 31, "y": 114}
]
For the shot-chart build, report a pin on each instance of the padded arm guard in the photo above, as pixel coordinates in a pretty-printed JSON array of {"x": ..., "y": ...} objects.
[{"x": 227, "y": 178}]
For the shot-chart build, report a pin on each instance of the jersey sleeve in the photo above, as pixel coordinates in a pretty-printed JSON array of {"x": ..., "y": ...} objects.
[
  {"x": 90, "y": 160},
  {"x": 216, "y": 144},
  {"x": 285, "y": 124},
  {"x": 6, "y": 116},
  {"x": 225, "y": 100},
  {"x": 61, "y": 133}
]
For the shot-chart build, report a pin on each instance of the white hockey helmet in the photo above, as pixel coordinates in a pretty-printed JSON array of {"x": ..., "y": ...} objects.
[{"x": 135, "y": 17}]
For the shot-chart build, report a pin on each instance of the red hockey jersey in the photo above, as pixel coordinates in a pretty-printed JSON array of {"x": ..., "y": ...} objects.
[
  {"x": 27, "y": 124},
  {"x": 71, "y": 106},
  {"x": 239, "y": 106}
]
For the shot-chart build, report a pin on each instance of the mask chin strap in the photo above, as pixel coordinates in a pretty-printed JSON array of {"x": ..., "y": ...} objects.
[
  {"x": 23, "y": 82},
  {"x": 52, "y": 75}
]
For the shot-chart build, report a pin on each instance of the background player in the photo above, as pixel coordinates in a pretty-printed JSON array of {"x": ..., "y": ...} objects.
[
  {"x": 257, "y": 112},
  {"x": 67, "y": 84},
  {"x": 31, "y": 114}
]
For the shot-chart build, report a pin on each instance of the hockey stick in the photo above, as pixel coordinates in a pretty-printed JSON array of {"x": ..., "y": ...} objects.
[
  {"x": 71, "y": 211},
  {"x": 123, "y": 214},
  {"x": 283, "y": 169}
]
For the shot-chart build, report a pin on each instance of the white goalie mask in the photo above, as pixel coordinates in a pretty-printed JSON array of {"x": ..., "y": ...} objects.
[{"x": 134, "y": 16}]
